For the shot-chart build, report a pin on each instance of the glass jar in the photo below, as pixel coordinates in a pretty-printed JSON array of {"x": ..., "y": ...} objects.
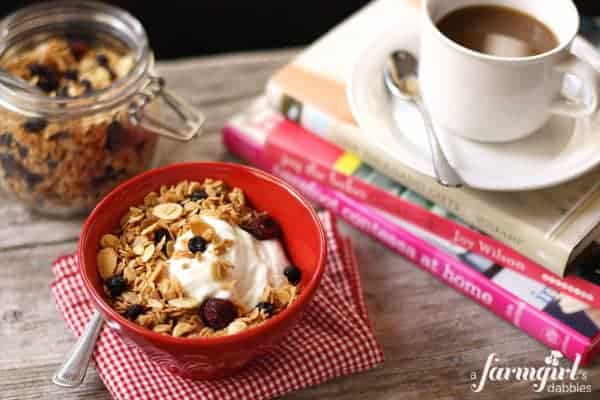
[{"x": 61, "y": 152}]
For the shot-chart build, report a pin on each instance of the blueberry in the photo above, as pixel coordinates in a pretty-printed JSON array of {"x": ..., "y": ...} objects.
[
  {"x": 35, "y": 125},
  {"x": 6, "y": 139},
  {"x": 63, "y": 91},
  {"x": 116, "y": 285},
  {"x": 31, "y": 178},
  {"x": 199, "y": 194},
  {"x": 102, "y": 59},
  {"x": 87, "y": 85},
  {"x": 23, "y": 150},
  {"x": 263, "y": 227},
  {"x": 134, "y": 311},
  {"x": 48, "y": 78},
  {"x": 71, "y": 75},
  {"x": 217, "y": 313},
  {"x": 114, "y": 135},
  {"x": 9, "y": 164},
  {"x": 51, "y": 163},
  {"x": 293, "y": 274},
  {"x": 160, "y": 234},
  {"x": 266, "y": 307},
  {"x": 197, "y": 244}
]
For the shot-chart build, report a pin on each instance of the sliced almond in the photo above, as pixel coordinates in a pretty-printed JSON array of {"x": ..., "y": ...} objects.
[
  {"x": 107, "y": 262},
  {"x": 148, "y": 253},
  {"x": 129, "y": 274},
  {"x": 139, "y": 245},
  {"x": 219, "y": 270},
  {"x": 167, "y": 211},
  {"x": 155, "y": 304},
  {"x": 236, "y": 326},
  {"x": 185, "y": 303},
  {"x": 182, "y": 328},
  {"x": 162, "y": 328},
  {"x": 170, "y": 248},
  {"x": 150, "y": 228},
  {"x": 109, "y": 240}
]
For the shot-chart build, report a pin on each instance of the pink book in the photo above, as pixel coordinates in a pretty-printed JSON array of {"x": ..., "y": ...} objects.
[
  {"x": 559, "y": 321},
  {"x": 284, "y": 144}
]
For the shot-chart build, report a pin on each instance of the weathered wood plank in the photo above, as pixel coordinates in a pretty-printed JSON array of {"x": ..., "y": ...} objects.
[{"x": 432, "y": 336}]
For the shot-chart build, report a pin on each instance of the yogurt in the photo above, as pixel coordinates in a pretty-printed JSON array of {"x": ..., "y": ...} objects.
[{"x": 255, "y": 264}]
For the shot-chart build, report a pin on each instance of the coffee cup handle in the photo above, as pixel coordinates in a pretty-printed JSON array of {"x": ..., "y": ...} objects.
[{"x": 579, "y": 87}]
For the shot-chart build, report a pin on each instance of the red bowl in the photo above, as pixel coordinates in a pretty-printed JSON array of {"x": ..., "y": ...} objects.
[{"x": 206, "y": 358}]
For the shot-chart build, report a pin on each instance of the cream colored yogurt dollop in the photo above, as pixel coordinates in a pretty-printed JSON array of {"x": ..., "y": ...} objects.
[{"x": 255, "y": 264}]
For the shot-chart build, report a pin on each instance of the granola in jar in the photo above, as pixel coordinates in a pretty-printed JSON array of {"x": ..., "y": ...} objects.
[
  {"x": 196, "y": 260},
  {"x": 95, "y": 122},
  {"x": 69, "y": 163}
]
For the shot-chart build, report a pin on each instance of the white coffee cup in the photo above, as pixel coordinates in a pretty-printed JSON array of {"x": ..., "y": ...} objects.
[{"x": 498, "y": 99}]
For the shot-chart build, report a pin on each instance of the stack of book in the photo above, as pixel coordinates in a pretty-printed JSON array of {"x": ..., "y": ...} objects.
[{"x": 530, "y": 257}]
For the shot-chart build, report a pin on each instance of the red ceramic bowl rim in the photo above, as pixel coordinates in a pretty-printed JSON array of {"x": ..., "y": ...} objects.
[{"x": 307, "y": 290}]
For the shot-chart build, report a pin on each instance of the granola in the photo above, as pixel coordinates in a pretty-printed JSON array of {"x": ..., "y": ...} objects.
[
  {"x": 67, "y": 165},
  {"x": 174, "y": 266}
]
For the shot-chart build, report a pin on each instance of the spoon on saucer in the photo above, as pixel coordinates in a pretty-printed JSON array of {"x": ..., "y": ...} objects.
[{"x": 400, "y": 77}]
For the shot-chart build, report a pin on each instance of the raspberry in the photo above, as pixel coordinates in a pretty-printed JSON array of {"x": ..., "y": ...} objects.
[
  {"x": 263, "y": 227},
  {"x": 217, "y": 313}
]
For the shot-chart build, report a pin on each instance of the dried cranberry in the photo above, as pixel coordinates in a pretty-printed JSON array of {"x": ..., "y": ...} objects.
[
  {"x": 134, "y": 311},
  {"x": 197, "y": 244},
  {"x": 217, "y": 313},
  {"x": 266, "y": 307},
  {"x": 199, "y": 194},
  {"x": 6, "y": 139},
  {"x": 78, "y": 48},
  {"x": 115, "y": 134},
  {"x": 263, "y": 227},
  {"x": 35, "y": 125},
  {"x": 293, "y": 274},
  {"x": 116, "y": 285}
]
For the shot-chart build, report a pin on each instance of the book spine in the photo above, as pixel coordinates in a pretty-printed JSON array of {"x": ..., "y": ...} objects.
[
  {"x": 444, "y": 267},
  {"x": 284, "y": 144},
  {"x": 505, "y": 228}
]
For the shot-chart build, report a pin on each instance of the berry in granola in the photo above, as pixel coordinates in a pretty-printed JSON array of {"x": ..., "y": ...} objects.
[
  {"x": 23, "y": 150},
  {"x": 266, "y": 307},
  {"x": 102, "y": 59},
  {"x": 78, "y": 48},
  {"x": 159, "y": 234},
  {"x": 61, "y": 135},
  {"x": 87, "y": 85},
  {"x": 35, "y": 125},
  {"x": 217, "y": 313},
  {"x": 71, "y": 75},
  {"x": 134, "y": 311},
  {"x": 51, "y": 163},
  {"x": 199, "y": 194},
  {"x": 263, "y": 227},
  {"x": 47, "y": 77},
  {"x": 63, "y": 91},
  {"x": 9, "y": 164},
  {"x": 293, "y": 274},
  {"x": 6, "y": 139},
  {"x": 115, "y": 134},
  {"x": 31, "y": 178},
  {"x": 116, "y": 285},
  {"x": 197, "y": 244}
]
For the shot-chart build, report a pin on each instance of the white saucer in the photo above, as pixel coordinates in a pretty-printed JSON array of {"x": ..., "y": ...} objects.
[{"x": 562, "y": 150}]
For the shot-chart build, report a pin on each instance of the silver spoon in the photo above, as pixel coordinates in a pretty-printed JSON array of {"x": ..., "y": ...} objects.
[
  {"x": 72, "y": 371},
  {"x": 400, "y": 76},
  {"x": 15, "y": 82}
]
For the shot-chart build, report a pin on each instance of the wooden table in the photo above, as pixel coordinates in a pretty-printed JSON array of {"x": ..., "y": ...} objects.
[{"x": 432, "y": 336}]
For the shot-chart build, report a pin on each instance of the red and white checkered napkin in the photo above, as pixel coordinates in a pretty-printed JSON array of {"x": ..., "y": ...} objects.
[{"x": 334, "y": 338}]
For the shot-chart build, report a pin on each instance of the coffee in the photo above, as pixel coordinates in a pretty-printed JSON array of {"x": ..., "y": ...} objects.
[{"x": 498, "y": 31}]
